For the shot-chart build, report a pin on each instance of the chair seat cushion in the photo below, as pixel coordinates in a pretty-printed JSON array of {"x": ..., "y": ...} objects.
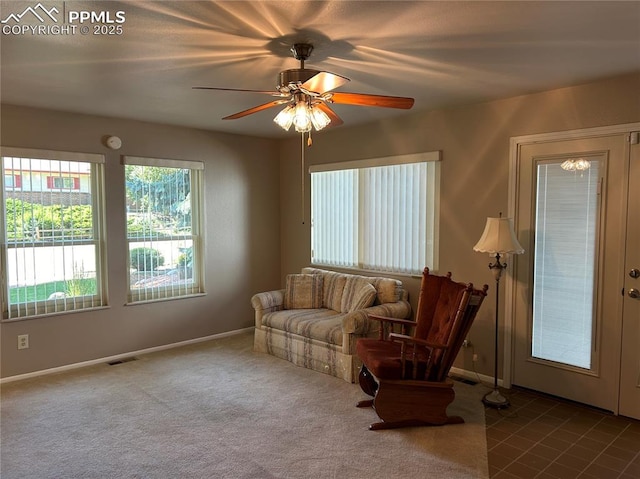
[{"x": 383, "y": 359}]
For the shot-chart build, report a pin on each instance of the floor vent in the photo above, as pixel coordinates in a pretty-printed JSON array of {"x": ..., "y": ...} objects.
[
  {"x": 122, "y": 361},
  {"x": 469, "y": 381},
  {"x": 464, "y": 380}
]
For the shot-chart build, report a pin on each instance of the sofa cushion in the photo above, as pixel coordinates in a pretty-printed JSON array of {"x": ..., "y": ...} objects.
[
  {"x": 333, "y": 290},
  {"x": 303, "y": 291},
  {"x": 358, "y": 294},
  {"x": 324, "y": 325},
  {"x": 389, "y": 290}
]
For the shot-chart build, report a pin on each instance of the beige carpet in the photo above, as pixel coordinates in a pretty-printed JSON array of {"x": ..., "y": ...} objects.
[{"x": 219, "y": 410}]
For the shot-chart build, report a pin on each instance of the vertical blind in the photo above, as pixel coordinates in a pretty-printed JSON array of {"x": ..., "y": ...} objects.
[
  {"x": 376, "y": 217},
  {"x": 334, "y": 218},
  {"x": 52, "y": 232}
]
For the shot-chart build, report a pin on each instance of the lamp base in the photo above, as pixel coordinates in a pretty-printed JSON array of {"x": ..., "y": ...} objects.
[{"x": 495, "y": 399}]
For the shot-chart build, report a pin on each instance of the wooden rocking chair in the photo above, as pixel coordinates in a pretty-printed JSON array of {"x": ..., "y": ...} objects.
[{"x": 407, "y": 375}]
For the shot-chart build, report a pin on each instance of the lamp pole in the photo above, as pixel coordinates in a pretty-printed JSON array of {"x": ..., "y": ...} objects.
[
  {"x": 497, "y": 238},
  {"x": 494, "y": 398}
]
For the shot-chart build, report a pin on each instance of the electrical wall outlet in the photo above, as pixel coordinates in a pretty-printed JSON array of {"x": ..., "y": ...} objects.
[
  {"x": 23, "y": 341},
  {"x": 475, "y": 358}
]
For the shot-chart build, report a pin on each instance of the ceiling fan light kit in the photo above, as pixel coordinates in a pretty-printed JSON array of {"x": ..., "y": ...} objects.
[
  {"x": 302, "y": 116},
  {"x": 307, "y": 94}
]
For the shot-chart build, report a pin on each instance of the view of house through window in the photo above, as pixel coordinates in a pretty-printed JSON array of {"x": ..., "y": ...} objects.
[
  {"x": 52, "y": 229},
  {"x": 379, "y": 214},
  {"x": 163, "y": 201}
]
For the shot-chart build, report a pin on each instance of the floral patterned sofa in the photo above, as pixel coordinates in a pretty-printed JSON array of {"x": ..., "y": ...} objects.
[{"x": 315, "y": 321}]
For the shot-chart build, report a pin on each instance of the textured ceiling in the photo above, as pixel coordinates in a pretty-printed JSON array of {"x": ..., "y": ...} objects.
[{"x": 440, "y": 53}]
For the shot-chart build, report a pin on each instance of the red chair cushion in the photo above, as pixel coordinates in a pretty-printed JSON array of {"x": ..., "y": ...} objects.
[{"x": 383, "y": 359}]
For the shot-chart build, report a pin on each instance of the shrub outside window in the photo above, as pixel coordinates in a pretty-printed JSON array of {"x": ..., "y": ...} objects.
[
  {"x": 51, "y": 240},
  {"x": 164, "y": 220},
  {"x": 378, "y": 214}
]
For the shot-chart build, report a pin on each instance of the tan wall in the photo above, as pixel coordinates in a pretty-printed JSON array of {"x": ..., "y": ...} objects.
[
  {"x": 474, "y": 141},
  {"x": 242, "y": 243},
  {"x": 245, "y": 250}
]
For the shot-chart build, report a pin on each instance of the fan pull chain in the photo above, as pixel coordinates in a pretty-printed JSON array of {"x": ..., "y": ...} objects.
[{"x": 302, "y": 176}]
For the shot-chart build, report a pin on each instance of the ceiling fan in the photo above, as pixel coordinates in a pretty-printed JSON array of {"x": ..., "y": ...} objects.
[{"x": 307, "y": 94}]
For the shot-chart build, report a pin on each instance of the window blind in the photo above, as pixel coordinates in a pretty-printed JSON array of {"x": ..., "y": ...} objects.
[
  {"x": 164, "y": 221},
  {"x": 566, "y": 234},
  {"x": 376, "y": 216},
  {"x": 52, "y": 236}
]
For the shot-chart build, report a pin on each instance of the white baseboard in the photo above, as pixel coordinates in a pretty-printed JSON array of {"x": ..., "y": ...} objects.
[
  {"x": 118, "y": 357},
  {"x": 474, "y": 376}
]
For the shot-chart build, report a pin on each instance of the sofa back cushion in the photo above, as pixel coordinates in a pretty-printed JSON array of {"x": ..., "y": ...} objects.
[
  {"x": 333, "y": 290},
  {"x": 358, "y": 294},
  {"x": 333, "y": 287},
  {"x": 388, "y": 290},
  {"x": 303, "y": 291}
]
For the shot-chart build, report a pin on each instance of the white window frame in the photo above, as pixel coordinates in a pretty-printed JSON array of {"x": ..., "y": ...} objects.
[
  {"x": 58, "y": 305},
  {"x": 353, "y": 256},
  {"x": 160, "y": 293}
]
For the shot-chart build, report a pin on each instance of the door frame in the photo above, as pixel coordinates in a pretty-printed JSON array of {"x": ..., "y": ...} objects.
[{"x": 510, "y": 282}]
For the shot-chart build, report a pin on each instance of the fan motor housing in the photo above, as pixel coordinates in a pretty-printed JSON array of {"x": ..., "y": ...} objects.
[{"x": 296, "y": 75}]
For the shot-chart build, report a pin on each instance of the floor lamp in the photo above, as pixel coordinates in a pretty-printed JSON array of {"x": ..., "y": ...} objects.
[{"x": 498, "y": 239}]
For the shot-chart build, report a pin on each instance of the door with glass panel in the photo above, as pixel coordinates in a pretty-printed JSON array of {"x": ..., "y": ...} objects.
[
  {"x": 630, "y": 363},
  {"x": 571, "y": 219}
]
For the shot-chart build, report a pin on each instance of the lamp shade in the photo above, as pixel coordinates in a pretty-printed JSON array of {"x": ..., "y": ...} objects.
[{"x": 498, "y": 237}]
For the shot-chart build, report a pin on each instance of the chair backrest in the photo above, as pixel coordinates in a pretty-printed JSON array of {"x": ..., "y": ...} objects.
[{"x": 446, "y": 310}]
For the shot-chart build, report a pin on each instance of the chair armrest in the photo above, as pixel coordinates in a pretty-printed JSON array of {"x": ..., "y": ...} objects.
[
  {"x": 377, "y": 317},
  {"x": 417, "y": 341},
  {"x": 409, "y": 351},
  {"x": 268, "y": 301},
  {"x": 358, "y": 322},
  {"x": 387, "y": 323}
]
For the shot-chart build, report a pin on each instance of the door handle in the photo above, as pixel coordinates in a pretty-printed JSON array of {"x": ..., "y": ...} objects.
[
  {"x": 634, "y": 273},
  {"x": 634, "y": 293}
]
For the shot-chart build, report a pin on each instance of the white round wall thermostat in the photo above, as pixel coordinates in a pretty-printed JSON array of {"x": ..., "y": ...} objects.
[{"x": 114, "y": 142}]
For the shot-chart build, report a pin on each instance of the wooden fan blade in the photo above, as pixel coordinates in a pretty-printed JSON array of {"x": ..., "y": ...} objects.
[
  {"x": 255, "y": 109},
  {"x": 323, "y": 82},
  {"x": 371, "y": 100},
  {"x": 335, "y": 119},
  {"x": 268, "y": 92}
]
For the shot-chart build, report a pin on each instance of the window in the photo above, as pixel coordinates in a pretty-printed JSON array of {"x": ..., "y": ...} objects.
[
  {"x": 164, "y": 221},
  {"x": 63, "y": 182},
  {"x": 52, "y": 241},
  {"x": 12, "y": 181},
  {"x": 379, "y": 214},
  {"x": 566, "y": 233}
]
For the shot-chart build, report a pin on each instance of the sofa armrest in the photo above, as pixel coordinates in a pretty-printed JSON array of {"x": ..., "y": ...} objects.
[
  {"x": 265, "y": 303},
  {"x": 268, "y": 301}
]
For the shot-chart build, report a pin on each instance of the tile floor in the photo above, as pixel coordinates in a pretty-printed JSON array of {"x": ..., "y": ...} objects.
[{"x": 544, "y": 437}]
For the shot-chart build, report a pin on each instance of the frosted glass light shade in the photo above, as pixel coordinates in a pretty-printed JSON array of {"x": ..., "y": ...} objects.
[
  {"x": 319, "y": 118},
  {"x": 301, "y": 118},
  {"x": 498, "y": 237},
  {"x": 284, "y": 119}
]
